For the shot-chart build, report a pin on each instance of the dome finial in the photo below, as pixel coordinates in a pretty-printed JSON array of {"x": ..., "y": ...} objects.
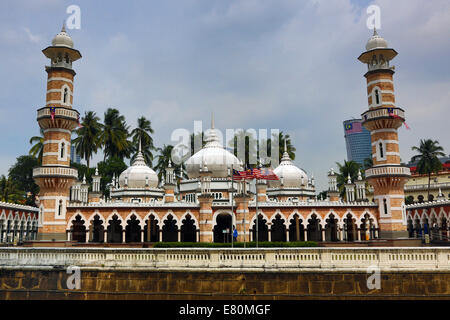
[
  {"x": 140, "y": 144},
  {"x": 63, "y": 29},
  {"x": 285, "y": 145},
  {"x": 212, "y": 120},
  {"x": 375, "y": 33}
]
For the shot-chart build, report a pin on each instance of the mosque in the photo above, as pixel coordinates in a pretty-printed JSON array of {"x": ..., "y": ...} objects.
[{"x": 208, "y": 205}]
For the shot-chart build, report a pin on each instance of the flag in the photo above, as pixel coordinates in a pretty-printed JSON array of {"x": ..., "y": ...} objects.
[
  {"x": 52, "y": 112},
  {"x": 268, "y": 174},
  {"x": 391, "y": 114},
  {"x": 79, "y": 124},
  {"x": 238, "y": 175},
  {"x": 354, "y": 127}
]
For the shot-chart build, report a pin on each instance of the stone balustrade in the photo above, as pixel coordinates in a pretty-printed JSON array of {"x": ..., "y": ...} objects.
[
  {"x": 59, "y": 112},
  {"x": 383, "y": 112},
  {"x": 263, "y": 260},
  {"x": 64, "y": 172},
  {"x": 387, "y": 170}
]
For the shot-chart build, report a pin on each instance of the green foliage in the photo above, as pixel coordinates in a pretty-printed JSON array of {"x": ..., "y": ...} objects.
[
  {"x": 428, "y": 157},
  {"x": 114, "y": 137},
  {"x": 37, "y": 150},
  {"x": 88, "y": 136},
  {"x": 10, "y": 191},
  {"x": 21, "y": 173},
  {"x": 348, "y": 168},
  {"x": 162, "y": 162},
  {"x": 107, "y": 169},
  {"x": 296, "y": 244},
  {"x": 142, "y": 133}
]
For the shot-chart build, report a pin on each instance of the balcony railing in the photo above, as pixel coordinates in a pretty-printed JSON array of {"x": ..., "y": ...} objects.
[
  {"x": 55, "y": 172},
  {"x": 59, "y": 112},
  {"x": 383, "y": 112},
  {"x": 388, "y": 170},
  {"x": 424, "y": 186}
]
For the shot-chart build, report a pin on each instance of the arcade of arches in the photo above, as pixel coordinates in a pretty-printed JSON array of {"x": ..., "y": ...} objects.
[{"x": 185, "y": 228}]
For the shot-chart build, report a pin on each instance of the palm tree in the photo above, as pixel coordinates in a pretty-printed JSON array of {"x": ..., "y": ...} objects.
[
  {"x": 281, "y": 138},
  {"x": 162, "y": 162},
  {"x": 38, "y": 148},
  {"x": 368, "y": 163},
  {"x": 250, "y": 148},
  {"x": 348, "y": 168},
  {"x": 429, "y": 163},
  {"x": 88, "y": 140},
  {"x": 142, "y": 134},
  {"x": 114, "y": 137}
]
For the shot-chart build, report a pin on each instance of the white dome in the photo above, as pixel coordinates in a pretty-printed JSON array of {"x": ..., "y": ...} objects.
[
  {"x": 214, "y": 157},
  {"x": 289, "y": 174},
  {"x": 376, "y": 42},
  {"x": 139, "y": 175},
  {"x": 62, "y": 39}
]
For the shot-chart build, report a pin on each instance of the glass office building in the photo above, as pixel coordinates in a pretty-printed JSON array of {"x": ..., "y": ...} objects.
[{"x": 357, "y": 141}]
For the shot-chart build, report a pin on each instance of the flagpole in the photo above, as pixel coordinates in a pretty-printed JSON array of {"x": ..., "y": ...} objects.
[{"x": 257, "y": 220}]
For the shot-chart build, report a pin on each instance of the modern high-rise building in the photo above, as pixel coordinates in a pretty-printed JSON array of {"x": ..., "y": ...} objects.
[
  {"x": 74, "y": 157},
  {"x": 357, "y": 141}
]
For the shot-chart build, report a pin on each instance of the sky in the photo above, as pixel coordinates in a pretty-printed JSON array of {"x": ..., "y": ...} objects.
[{"x": 262, "y": 64}]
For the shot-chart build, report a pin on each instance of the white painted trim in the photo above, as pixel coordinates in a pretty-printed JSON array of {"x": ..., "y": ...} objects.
[
  {"x": 396, "y": 208},
  {"x": 206, "y": 211},
  {"x": 384, "y": 220},
  {"x": 50, "y": 154},
  {"x": 379, "y": 81},
  {"x": 57, "y": 91},
  {"x": 53, "y": 198},
  {"x": 58, "y": 130},
  {"x": 54, "y": 223},
  {"x": 51, "y": 141},
  {"x": 383, "y": 130},
  {"x": 386, "y": 141},
  {"x": 59, "y": 79},
  {"x": 389, "y": 103},
  {"x": 207, "y": 233}
]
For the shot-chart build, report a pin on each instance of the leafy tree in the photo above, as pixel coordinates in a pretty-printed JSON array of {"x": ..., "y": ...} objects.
[
  {"x": 280, "y": 139},
  {"x": 348, "y": 168},
  {"x": 88, "y": 136},
  {"x": 22, "y": 174},
  {"x": 368, "y": 163},
  {"x": 10, "y": 191},
  {"x": 107, "y": 169},
  {"x": 114, "y": 137},
  {"x": 428, "y": 161},
  {"x": 142, "y": 133},
  {"x": 162, "y": 162},
  {"x": 37, "y": 150},
  {"x": 323, "y": 195},
  {"x": 250, "y": 148}
]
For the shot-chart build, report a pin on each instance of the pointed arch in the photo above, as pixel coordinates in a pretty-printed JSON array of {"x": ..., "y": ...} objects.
[
  {"x": 69, "y": 224},
  {"x": 193, "y": 217},
  {"x": 336, "y": 216},
  {"x": 169, "y": 213},
  {"x": 123, "y": 223},
  {"x": 274, "y": 216},
  {"x": 138, "y": 217},
  {"x": 296, "y": 212},
  {"x": 366, "y": 211}
]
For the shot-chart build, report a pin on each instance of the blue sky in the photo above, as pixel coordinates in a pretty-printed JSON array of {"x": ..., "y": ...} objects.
[{"x": 284, "y": 64}]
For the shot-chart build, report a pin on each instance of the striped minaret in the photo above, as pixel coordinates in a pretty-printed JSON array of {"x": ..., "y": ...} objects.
[
  {"x": 383, "y": 119},
  {"x": 57, "y": 119}
]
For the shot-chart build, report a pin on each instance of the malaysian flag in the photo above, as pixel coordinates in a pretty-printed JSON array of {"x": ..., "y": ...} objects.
[
  {"x": 238, "y": 175},
  {"x": 354, "y": 127},
  {"x": 268, "y": 174},
  {"x": 52, "y": 112}
]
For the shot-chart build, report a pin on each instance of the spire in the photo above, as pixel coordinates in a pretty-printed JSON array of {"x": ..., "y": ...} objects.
[
  {"x": 84, "y": 179},
  {"x": 375, "y": 33},
  {"x": 140, "y": 144},
  {"x": 63, "y": 29},
  {"x": 96, "y": 171},
  {"x": 359, "y": 175},
  {"x": 212, "y": 120},
  {"x": 286, "y": 156},
  {"x": 139, "y": 160},
  {"x": 285, "y": 145},
  {"x": 349, "y": 180}
]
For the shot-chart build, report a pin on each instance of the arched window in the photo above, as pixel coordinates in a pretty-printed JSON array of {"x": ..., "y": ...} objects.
[
  {"x": 66, "y": 93},
  {"x": 385, "y": 206},
  {"x": 377, "y": 96},
  {"x": 63, "y": 146},
  {"x": 60, "y": 208},
  {"x": 381, "y": 150},
  {"x": 67, "y": 58}
]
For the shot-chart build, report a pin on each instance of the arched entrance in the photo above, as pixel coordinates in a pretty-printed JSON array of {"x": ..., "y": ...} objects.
[
  {"x": 78, "y": 230},
  {"x": 417, "y": 228},
  {"x": 170, "y": 230},
  {"x": 188, "y": 230},
  {"x": 296, "y": 229},
  {"x": 331, "y": 229},
  {"x": 410, "y": 227},
  {"x": 349, "y": 228},
  {"x": 278, "y": 232},
  {"x": 222, "y": 229},
  {"x": 133, "y": 230},
  {"x": 114, "y": 230},
  {"x": 154, "y": 230},
  {"x": 314, "y": 229},
  {"x": 263, "y": 229},
  {"x": 98, "y": 231}
]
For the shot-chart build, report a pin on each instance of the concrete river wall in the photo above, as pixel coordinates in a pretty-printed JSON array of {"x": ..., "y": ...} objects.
[{"x": 304, "y": 273}]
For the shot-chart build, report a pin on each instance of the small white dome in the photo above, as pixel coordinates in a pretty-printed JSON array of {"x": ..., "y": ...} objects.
[
  {"x": 62, "y": 39},
  {"x": 214, "y": 157},
  {"x": 289, "y": 174},
  {"x": 139, "y": 175},
  {"x": 376, "y": 42}
]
